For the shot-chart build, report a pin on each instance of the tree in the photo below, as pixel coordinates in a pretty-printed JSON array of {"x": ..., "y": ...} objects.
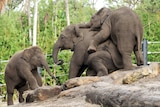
[
  {"x": 3, "y": 5},
  {"x": 27, "y": 11},
  {"x": 35, "y": 22},
  {"x": 67, "y": 12}
]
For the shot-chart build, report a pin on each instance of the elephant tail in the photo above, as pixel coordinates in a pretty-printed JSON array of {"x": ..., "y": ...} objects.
[{"x": 138, "y": 48}]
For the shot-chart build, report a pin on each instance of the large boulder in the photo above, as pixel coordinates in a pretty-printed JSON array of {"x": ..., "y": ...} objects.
[
  {"x": 134, "y": 88},
  {"x": 41, "y": 93}
]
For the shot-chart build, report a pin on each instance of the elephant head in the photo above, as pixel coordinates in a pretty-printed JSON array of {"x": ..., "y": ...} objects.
[
  {"x": 98, "y": 18},
  {"x": 35, "y": 57},
  {"x": 68, "y": 39}
]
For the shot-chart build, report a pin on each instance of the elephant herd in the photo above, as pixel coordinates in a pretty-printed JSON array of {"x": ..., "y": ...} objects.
[
  {"x": 104, "y": 44},
  {"x": 101, "y": 46}
]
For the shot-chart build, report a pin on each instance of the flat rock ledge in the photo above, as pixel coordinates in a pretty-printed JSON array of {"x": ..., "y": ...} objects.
[{"x": 134, "y": 88}]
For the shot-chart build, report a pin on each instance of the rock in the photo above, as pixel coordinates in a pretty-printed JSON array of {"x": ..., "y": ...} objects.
[
  {"x": 41, "y": 93},
  {"x": 152, "y": 70},
  {"x": 141, "y": 89},
  {"x": 75, "y": 82},
  {"x": 143, "y": 94}
]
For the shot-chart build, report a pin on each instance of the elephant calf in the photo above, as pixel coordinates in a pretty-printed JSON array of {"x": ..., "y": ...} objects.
[
  {"x": 105, "y": 60},
  {"x": 21, "y": 72},
  {"x": 77, "y": 40},
  {"x": 125, "y": 29}
]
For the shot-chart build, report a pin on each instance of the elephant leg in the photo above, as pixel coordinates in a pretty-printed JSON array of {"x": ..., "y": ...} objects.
[
  {"x": 101, "y": 71},
  {"x": 31, "y": 80},
  {"x": 81, "y": 70},
  {"x": 10, "y": 98},
  {"x": 76, "y": 64},
  {"x": 10, "y": 92},
  {"x": 21, "y": 91},
  {"x": 138, "y": 54},
  {"x": 73, "y": 70},
  {"x": 10, "y": 85},
  {"x": 99, "y": 38},
  {"x": 127, "y": 61},
  {"x": 92, "y": 47},
  {"x": 139, "y": 57},
  {"x": 125, "y": 45},
  {"x": 37, "y": 76},
  {"x": 90, "y": 72},
  {"x": 99, "y": 68}
]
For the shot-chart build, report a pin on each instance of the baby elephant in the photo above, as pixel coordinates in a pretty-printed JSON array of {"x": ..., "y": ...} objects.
[
  {"x": 105, "y": 60},
  {"x": 21, "y": 72}
]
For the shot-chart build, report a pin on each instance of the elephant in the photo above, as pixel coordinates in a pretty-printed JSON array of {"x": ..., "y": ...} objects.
[
  {"x": 125, "y": 29},
  {"x": 72, "y": 37},
  {"x": 105, "y": 60},
  {"x": 21, "y": 72},
  {"x": 99, "y": 18}
]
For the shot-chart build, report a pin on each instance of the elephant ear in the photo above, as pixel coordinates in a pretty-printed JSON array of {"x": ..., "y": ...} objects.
[
  {"x": 78, "y": 35},
  {"x": 27, "y": 54}
]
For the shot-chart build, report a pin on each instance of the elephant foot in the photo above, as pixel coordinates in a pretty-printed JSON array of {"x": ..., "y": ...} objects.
[
  {"x": 91, "y": 50},
  {"x": 92, "y": 47},
  {"x": 140, "y": 63}
]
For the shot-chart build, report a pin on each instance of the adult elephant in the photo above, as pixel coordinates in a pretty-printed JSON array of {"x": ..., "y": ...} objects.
[
  {"x": 21, "y": 72},
  {"x": 78, "y": 39},
  {"x": 124, "y": 28}
]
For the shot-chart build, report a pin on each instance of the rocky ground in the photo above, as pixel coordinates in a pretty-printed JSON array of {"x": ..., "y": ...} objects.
[{"x": 134, "y": 88}]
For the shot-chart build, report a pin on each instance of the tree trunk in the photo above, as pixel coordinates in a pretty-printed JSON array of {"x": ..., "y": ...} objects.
[
  {"x": 27, "y": 11},
  {"x": 29, "y": 22},
  {"x": 35, "y": 22},
  {"x": 3, "y": 5},
  {"x": 67, "y": 12}
]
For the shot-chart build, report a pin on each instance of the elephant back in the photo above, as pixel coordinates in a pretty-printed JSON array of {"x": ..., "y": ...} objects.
[{"x": 115, "y": 54}]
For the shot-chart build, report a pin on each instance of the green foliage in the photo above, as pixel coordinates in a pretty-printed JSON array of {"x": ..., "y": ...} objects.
[
  {"x": 52, "y": 20},
  {"x": 148, "y": 11},
  {"x": 150, "y": 15},
  {"x": 12, "y": 35},
  {"x": 78, "y": 13}
]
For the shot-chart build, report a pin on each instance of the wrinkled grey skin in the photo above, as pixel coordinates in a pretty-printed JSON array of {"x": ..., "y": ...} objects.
[
  {"x": 105, "y": 60},
  {"x": 21, "y": 72},
  {"x": 78, "y": 41},
  {"x": 97, "y": 19},
  {"x": 124, "y": 28}
]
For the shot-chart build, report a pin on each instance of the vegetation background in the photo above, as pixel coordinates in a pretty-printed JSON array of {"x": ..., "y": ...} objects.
[{"x": 15, "y": 27}]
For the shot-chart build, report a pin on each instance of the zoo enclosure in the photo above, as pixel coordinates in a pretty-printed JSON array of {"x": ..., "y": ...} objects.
[{"x": 145, "y": 50}]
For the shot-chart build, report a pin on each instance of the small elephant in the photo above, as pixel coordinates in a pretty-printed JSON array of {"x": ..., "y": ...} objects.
[
  {"x": 77, "y": 39},
  {"x": 21, "y": 72},
  {"x": 125, "y": 29},
  {"x": 105, "y": 60},
  {"x": 97, "y": 19}
]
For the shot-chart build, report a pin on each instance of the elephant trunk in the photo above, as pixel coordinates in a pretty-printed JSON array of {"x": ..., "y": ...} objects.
[
  {"x": 45, "y": 65},
  {"x": 56, "y": 49}
]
